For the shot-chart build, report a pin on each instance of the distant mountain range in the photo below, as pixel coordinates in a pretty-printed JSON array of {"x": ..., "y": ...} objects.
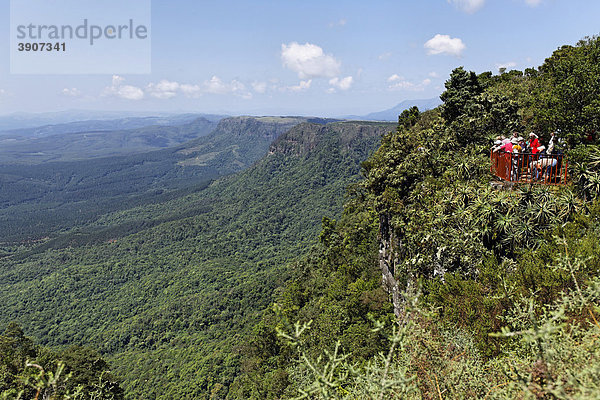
[
  {"x": 392, "y": 113},
  {"x": 99, "y": 125},
  {"x": 52, "y": 143},
  {"x": 38, "y": 196},
  {"x": 128, "y": 120}
]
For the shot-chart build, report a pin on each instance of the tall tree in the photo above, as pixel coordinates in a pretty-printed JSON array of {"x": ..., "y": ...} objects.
[
  {"x": 569, "y": 95},
  {"x": 461, "y": 90}
]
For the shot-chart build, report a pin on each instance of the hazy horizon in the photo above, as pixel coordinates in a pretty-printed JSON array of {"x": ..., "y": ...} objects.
[{"x": 306, "y": 58}]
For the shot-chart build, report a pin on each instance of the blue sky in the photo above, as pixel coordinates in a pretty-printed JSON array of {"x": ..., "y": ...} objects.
[{"x": 325, "y": 58}]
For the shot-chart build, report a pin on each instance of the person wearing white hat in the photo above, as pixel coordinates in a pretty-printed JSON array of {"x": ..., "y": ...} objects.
[
  {"x": 497, "y": 145},
  {"x": 534, "y": 143}
]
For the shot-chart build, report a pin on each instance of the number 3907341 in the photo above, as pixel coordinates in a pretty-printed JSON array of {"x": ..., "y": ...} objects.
[{"x": 42, "y": 47}]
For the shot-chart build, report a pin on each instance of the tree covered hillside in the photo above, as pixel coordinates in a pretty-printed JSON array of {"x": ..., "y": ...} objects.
[
  {"x": 430, "y": 285},
  {"x": 38, "y": 201},
  {"x": 84, "y": 144},
  {"x": 485, "y": 293},
  {"x": 168, "y": 292}
]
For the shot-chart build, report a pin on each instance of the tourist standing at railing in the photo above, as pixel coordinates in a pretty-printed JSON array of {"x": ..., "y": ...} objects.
[
  {"x": 507, "y": 148},
  {"x": 536, "y": 148},
  {"x": 515, "y": 158},
  {"x": 497, "y": 145},
  {"x": 516, "y": 147},
  {"x": 534, "y": 143},
  {"x": 503, "y": 145},
  {"x": 551, "y": 143},
  {"x": 545, "y": 168}
]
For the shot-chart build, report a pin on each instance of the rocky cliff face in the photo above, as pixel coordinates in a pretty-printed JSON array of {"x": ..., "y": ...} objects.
[
  {"x": 388, "y": 261},
  {"x": 349, "y": 136},
  {"x": 268, "y": 128},
  {"x": 389, "y": 247}
]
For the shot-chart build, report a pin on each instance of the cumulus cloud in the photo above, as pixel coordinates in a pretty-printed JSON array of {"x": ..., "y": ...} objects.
[
  {"x": 341, "y": 83},
  {"x": 118, "y": 89},
  {"x": 215, "y": 85},
  {"x": 434, "y": 74},
  {"x": 191, "y": 90},
  {"x": 163, "y": 89},
  {"x": 341, "y": 22},
  {"x": 384, "y": 56},
  {"x": 399, "y": 83},
  {"x": 259, "y": 87},
  {"x": 166, "y": 89},
  {"x": 533, "y": 3},
  {"x": 309, "y": 61},
  {"x": 469, "y": 6},
  {"x": 444, "y": 44},
  {"x": 71, "y": 92},
  {"x": 300, "y": 87}
]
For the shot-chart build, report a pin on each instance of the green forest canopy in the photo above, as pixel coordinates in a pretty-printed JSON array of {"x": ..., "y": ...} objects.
[{"x": 500, "y": 290}]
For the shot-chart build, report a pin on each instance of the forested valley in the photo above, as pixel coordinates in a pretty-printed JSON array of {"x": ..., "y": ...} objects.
[{"x": 265, "y": 281}]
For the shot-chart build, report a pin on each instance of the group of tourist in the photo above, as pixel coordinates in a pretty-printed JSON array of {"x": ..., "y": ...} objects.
[{"x": 528, "y": 157}]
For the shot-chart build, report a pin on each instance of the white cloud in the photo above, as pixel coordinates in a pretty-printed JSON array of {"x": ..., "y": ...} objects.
[
  {"x": 468, "y": 6},
  {"x": 216, "y": 86},
  {"x": 341, "y": 22},
  {"x": 385, "y": 56},
  {"x": 533, "y": 3},
  {"x": 444, "y": 44},
  {"x": 309, "y": 61},
  {"x": 259, "y": 87},
  {"x": 2, "y": 92},
  {"x": 191, "y": 90},
  {"x": 300, "y": 87},
  {"x": 342, "y": 83},
  {"x": 127, "y": 92},
  {"x": 166, "y": 89},
  {"x": 434, "y": 74},
  {"x": 399, "y": 83},
  {"x": 71, "y": 92},
  {"x": 163, "y": 89},
  {"x": 506, "y": 65}
]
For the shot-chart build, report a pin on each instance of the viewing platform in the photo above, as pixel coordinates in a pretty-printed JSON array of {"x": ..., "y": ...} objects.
[{"x": 543, "y": 169}]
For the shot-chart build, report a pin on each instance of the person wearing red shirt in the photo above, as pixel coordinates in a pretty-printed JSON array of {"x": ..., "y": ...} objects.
[{"x": 534, "y": 143}]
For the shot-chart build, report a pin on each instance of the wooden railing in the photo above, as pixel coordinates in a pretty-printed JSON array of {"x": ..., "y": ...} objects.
[{"x": 545, "y": 169}]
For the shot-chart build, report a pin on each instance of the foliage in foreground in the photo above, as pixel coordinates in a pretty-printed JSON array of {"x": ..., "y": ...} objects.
[
  {"x": 550, "y": 351},
  {"x": 28, "y": 371}
]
